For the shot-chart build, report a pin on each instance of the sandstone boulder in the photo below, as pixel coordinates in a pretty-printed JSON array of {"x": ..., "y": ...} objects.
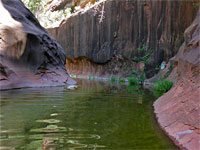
[{"x": 29, "y": 57}]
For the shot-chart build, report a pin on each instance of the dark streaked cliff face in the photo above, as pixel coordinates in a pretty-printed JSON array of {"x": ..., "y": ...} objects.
[{"x": 127, "y": 26}]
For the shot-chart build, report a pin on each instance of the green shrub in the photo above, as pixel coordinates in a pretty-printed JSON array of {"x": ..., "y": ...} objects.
[
  {"x": 143, "y": 48},
  {"x": 135, "y": 58},
  {"x": 89, "y": 78},
  {"x": 161, "y": 87},
  {"x": 157, "y": 68},
  {"x": 33, "y": 5},
  {"x": 132, "y": 81},
  {"x": 72, "y": 9},
  {"x": 112, "y": 79},
  {"x": 142, "y": 78},
  {"x": 120, "y": 80},
  {"x": 134, "y": 73}
]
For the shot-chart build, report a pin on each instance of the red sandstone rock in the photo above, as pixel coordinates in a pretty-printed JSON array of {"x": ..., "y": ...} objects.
[{"x": 178, "y": 111}]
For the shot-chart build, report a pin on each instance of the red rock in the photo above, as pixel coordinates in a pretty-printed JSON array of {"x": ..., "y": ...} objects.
[{"x": 178, "y": 111}]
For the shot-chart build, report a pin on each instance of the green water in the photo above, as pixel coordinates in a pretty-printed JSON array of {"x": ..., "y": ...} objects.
[{"x": 97, "y": 115}]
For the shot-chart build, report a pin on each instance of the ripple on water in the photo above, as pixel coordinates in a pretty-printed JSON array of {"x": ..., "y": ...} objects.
[
  {"x": 79, "y": 136},
  {"x": 54, "y": 114},
  {"x": 48, "y": 121},
  {"x": 49, "y": 129},
  {"x": 39, "y": 141},
  {"x": 94, "y": 115}
]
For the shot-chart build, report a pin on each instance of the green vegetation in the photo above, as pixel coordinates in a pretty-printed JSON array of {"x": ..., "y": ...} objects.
[
  {"x": 142, "y": 78},
  {"x": 47, "y": 18},
  {"x": 144, "y": 55},
  {"x": 143, "y": 48},
  {"x": 33, "y": 5},
  {"x": 162, "y": 86},
  {"x": 89, "y": 78},
  {"x": 194, "y": 3},
  {"x": 112, "y": 79},
  {"x": 134, "y": 73},
  {"x": 120, "y": 80},
  {"x": 157, "y": 68},
  {"x": 133, "y": 81},
  {"x": 72, "y": 9},
  {"x": 73, "y": 76},
  {"x": 40, "y": 9}
]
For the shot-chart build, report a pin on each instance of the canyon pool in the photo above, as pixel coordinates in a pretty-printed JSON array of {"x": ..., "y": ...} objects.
[{"x": 96, "y": 115}]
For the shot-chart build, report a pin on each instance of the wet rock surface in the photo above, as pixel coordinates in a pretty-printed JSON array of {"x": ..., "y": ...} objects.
[
  {"x": 30, "y": 58},
  {"x": 178, "y": 111},
  {"x": 127, "y": 26}
]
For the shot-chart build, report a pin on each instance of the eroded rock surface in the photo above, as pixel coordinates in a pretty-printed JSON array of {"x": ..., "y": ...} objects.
[
  {"x": 178, "y": 111},
  {"x": 117, "y": 66},
  {"x": 29, "y": 57},
  {"x": 127, "y": 26}
]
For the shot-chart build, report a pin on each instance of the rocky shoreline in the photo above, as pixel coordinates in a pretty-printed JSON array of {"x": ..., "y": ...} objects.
[{"x": 178, "y": 111}]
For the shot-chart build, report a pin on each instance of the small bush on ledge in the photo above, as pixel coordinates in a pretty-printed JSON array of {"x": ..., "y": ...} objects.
[
  {"x": 112, "y": 79},
  {"x": 161, "y": 87},
  {"x": 132, "y": 81}
]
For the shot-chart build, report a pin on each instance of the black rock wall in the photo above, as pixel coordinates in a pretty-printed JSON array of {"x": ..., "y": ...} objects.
[{"x": 128, "y": 25}]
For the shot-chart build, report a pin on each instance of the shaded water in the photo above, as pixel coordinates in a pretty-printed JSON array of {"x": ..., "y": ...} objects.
[{"x": 97, "y": 115}]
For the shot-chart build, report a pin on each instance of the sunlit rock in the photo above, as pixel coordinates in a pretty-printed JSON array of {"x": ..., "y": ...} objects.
[
  {"x": 72, "y": 87},
  {"x": 12, "y": 35},
  {"x": 29, "y": 57},
  {"x": 163, "y": 65}
]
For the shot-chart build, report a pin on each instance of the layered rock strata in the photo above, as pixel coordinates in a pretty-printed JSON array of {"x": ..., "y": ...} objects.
[{"x": 178, "y": 111}]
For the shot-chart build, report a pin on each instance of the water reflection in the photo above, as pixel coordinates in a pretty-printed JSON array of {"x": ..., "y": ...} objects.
[{"x": 96, "y": 115}]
